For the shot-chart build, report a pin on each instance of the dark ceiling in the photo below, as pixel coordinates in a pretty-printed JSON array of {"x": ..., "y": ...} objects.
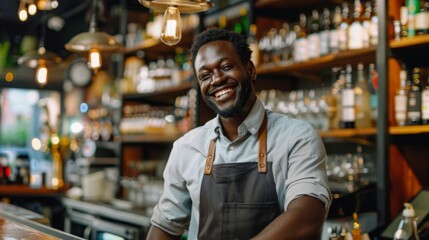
[{"x": 76, "y": 20}]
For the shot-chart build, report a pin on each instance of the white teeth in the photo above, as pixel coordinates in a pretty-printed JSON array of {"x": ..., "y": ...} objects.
[{"x": 223, "y": 92}]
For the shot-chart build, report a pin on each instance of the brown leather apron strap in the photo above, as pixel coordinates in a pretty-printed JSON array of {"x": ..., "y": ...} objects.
[
  {"x": 262, "y": 156},
  {"x": 210, "y": 157}
]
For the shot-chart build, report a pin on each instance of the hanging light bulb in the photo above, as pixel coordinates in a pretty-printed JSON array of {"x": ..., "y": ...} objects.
[
  {"x": 22, "y": 12},
  {"x": 42, "y": 75},
  {"x": 94, "y": 59},
  {"x": 32, "y": 8},
  {"x": 47, "y": 4},
  {"x": 93, "y": 42},
  {"x": 171, "y": 31}
]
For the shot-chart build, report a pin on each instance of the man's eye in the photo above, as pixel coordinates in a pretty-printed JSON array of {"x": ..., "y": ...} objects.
[
  {"x": 226, "y": 67},
  {"x": 204, "y": 77}
]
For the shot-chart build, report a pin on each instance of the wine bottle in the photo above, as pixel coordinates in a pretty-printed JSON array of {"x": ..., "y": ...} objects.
[{"x": 348, "y": 101}]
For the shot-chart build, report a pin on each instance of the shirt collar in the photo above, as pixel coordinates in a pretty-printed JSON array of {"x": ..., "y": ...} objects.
[{"x": 251, "y": 124}]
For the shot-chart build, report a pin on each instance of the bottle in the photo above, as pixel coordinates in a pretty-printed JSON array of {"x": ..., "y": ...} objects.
[
  {"x": 403, "y": 16},
  {"x": 413, "y": 7},
  {"x": 373, "y": 29},
  {"x": 425, "y": 104},
  {"x": 253, "y": 44},
  {"x": 414, "y": 105},
  {"x": 362, "y": 96},
  {"x": 356, "y": 32},
  {"x": 324, "y": 33},
  {"x": 301, "y": 43},
  {"x": 373, "y": 85},
  {"x": 348, "y": 101},
  {"x": 314, "y": 36},
  {"x": 422, "y": 19},
  {"x": 407, "y": 228},
  {"x": 222, "y": 22},
  {"x": 243, "y": 25},
  {"x": 334, "y": 44},
  {"x": 356, "y": 230},
  {"x": 344, "y": 27},
  {"x": 401, "y": 100}
]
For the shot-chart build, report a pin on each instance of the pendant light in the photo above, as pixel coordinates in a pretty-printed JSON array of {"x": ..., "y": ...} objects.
[
  {"x": 93, "y": 42},
  {"x": 171, "y": 31},
  {"x": 40, "y": 59}
]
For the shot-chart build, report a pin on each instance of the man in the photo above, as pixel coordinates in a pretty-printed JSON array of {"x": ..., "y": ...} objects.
[{"x": 247, "y": 173}]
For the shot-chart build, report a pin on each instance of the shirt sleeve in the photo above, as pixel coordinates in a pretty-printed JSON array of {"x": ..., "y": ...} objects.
[
  {"x": 172, "y": 213},
  {"x": 306, "y": 167}
]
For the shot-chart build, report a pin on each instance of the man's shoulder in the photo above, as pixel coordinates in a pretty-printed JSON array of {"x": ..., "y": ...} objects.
[
  {"x": 284, "y": 124},
  {"x": 198, "y": 134}
]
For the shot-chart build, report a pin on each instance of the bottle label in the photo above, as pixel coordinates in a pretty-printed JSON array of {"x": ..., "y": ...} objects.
[
  {"x": 348, "y": 97},
  {"x": 314, "y": 45},
  {"x": 373, "y": 31},
  {"x": 425, "y": 105},
  {"x": 301, "y": 50},
  {"x": 355, "y": 40},
  {"x": 334, "y": 40},
  {"x": 421, "y": 21},
  {"x": 324, "y": 42},
  {"x": 349, "y": 114},
  {"x": 400, "y": 109},
  {"x": 414, "y": 106},
  {"x": 342, "y": 36}
]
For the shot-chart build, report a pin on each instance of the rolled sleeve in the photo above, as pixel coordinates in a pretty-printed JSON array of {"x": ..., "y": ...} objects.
[
  {"x": 172, "y": 213},
  {"x": 306, "y": 170}
]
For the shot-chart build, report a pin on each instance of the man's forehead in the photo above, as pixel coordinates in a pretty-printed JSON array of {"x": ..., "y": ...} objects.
[{"x": 215, "y": 49}]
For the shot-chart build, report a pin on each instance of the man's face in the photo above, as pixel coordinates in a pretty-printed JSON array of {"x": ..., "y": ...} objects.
[{"x": 225, "y": 82}]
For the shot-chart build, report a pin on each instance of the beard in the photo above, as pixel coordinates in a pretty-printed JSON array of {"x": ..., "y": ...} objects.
[{"x": 236, "y": 108}]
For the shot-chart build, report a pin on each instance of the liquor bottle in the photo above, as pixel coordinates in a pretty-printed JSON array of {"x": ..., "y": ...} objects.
[
  {"x": 425, "y": 104},
  {"x": 324, "y": 33},
  {"x": 403, "y": 16},
  {"x": 413, "y": 7},
  {"x": 373, "y": 86},
  {"x": 414, "y": 105},
  {"x": 356, "y": 229},
  {"x": 348, "y": 101},
  {"x": 314, "y": 36},
  {"x": 362, "y": 102},
  {"x": 401, "y": 100},
  {"x": 334, "y": 44},
  {"x": 243, "y": 25},
  {"x": 367, "y": 24},
  {"x": 356, "y": 31},
  {"x": 344, "y": 27},
  {"x": 301, "y": 43},
  {"x": 222, "y": 24},
  {"x": 253, "y": 44},
  {"x": 422, "y": 19},
  {"x": 373, "y": 30},
  {"x": 407, "y": 228}
]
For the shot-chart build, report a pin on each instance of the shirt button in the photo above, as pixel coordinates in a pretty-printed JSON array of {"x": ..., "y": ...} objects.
[{"x": 230, "y": 148}]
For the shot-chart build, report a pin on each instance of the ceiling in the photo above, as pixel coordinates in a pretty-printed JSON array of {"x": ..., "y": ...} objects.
[{"x": 75, "y": 14}]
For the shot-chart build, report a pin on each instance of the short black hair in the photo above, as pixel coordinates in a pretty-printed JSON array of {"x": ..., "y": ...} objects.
[{"x": 237, "y": 40}]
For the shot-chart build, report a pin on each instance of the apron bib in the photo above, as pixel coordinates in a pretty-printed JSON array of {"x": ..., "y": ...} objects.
[{"x": 237, "y": 200}]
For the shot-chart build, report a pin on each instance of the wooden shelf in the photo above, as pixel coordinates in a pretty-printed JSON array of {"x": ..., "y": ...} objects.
[
  {"x": 417, "y": 41},
  {"x": 346, "y": 133},
  {"x": 290, "y": 4},
  {"x": 366, "y": 55},
  {"x": 150, "y": 138},
  {"x": 163, "y": 96},
  {"x": 23, "y": 190},
  {"x": 409, "y": 130}
]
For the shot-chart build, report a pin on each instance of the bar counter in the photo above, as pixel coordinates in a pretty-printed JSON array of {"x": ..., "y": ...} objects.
[{"x": 16, "y": 223}]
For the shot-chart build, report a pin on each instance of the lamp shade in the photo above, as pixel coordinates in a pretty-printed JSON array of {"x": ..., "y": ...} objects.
[
  {"x": 184, "y": 6},
  {"x": 84, "y": 42},
  {"x": 34, "y": 58}
]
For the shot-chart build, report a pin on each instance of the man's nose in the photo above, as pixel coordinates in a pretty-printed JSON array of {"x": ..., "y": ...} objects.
[{"x": 218, "y": 76}]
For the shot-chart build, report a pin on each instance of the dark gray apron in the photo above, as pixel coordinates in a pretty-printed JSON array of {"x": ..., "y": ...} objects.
[{"x": 237, "y": 200}]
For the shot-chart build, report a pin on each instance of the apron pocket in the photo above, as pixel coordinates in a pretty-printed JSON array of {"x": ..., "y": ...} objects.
[{"x": 245, "y": 220}]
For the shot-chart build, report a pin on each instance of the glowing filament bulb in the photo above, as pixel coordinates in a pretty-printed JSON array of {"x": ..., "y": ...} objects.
[
  {"x": 94, "y": 59},
  {"x": 22, "y": 13},
  {"x": 32, "y": 9},
  {"x": 171, "y": 32},
  {"x": 41, "y": 75}
]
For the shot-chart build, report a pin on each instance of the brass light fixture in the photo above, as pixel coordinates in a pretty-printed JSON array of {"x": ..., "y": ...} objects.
[
  {"x": 171, "y": 32},
  {"x": 93, "y": 42},
  {"x": 40, "y": 59}
]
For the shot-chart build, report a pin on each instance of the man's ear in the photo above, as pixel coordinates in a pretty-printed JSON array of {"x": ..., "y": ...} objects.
[{"x": 252, "y": 70}]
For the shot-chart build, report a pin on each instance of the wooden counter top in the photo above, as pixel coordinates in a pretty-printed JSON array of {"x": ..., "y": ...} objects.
[{"x": 13, "y": 226}]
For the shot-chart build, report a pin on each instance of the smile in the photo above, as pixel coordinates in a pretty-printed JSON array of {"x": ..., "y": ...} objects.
[{"x": 223, "y": 92}]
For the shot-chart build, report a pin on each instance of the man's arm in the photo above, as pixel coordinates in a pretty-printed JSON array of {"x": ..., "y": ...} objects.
[
  {"x": 302, "y": 220},
  {"x": 156, "y": 233}
]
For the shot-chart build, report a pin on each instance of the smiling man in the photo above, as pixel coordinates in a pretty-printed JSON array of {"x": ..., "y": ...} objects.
[{"x": 249, "y": 173}]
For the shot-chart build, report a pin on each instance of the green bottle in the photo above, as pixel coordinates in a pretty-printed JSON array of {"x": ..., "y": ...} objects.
[{"x": 413, "y": 7}]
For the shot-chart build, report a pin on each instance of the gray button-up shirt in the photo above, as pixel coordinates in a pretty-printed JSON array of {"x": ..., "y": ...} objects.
[{"x": 294, "y": 147}]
